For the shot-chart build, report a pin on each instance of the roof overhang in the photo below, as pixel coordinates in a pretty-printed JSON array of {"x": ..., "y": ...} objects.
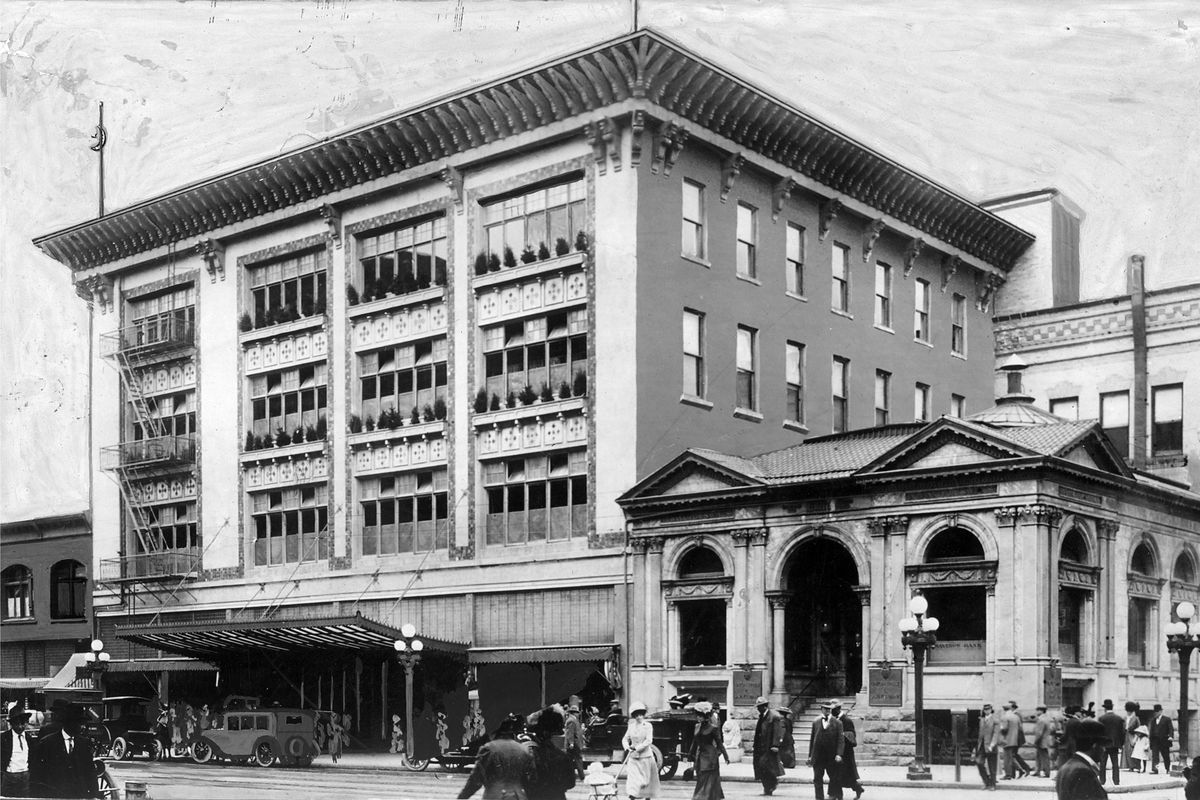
[
  {"x": 222, "y": 640},
  {"x": 537, "y": 655}
]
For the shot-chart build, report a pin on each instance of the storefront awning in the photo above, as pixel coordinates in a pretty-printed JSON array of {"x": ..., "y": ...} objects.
[
  {"x": 162, "y": 665},
  {"x": 215, "y": 640},
  {"x": 536, "y": 655},
  {"x": 66, "y": 680},
  {"x": 23, "y": 683}
]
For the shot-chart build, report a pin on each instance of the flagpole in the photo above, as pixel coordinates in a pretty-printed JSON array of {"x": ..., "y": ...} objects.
[{"x": 101, "y": 137}]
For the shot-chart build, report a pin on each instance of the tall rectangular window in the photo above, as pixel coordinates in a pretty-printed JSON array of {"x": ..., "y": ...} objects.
[
  {"x": 539, "y": 352},
  {"x": 1065, "y": 407},
  {"x": 958, "y": 325},
  {"x": 841, "y": 277},
  {"x": 1166, "y": 436},
  {"x": 537, "y": 498},
  {"x": 693, "y": 353},
  {"x": 794, "y": 254},
  {"x": 746, "y": 219},
  {"x": 533, "y": 218},
  {"x": 404, "y": 379},
  {"x": 290, "y": 525},
  {"x": 288, "y": 289},
  {"x": 841, "y": 393},
  {"x": 693, "y": 220},
  {"x": 795, "y": 382},
  {"x": 921, "y": 402},
  {"x": 921, "y": 311},
  {"x": 883, "y": 295},
  {"x": 747, "y": 368},
  {"x": 1114, "y": 420},
  {"x": 404, "y": 260},
  {"x": 883, "y": 397},
  {"x": 958, "y": 406},
  {"x": 404, "y": 513}
]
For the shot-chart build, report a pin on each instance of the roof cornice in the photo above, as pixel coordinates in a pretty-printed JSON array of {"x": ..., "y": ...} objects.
[{"x": 640, "y": 72}]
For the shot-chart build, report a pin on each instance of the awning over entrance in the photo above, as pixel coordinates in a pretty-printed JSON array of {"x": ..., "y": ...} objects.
[
  {"x": 162, "y": 665},
  {"x": 23, "y": 683},
  {"x": 535, "y": 655},
  {"x": 66, "y": 680},
  {"x": 214, "y": 640}
]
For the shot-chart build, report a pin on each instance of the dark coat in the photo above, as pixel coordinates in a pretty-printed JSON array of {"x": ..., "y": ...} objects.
[
  {"x": 53, "y": 772},
  {"x": 707, "y": 748},
  {"x": 504, "y": 768},
  {"x": 826, "y": 743},
  {"x": 1114, "y": 727},
  {"x": 553, "y": 772},
  {"x": 768, "y": 733},
  {"x": 989, "y": 733},
  {"x": 849, "y": 763},
  {"x": 1161, "y": 729},
  {"x": 1077, "y": 780}
]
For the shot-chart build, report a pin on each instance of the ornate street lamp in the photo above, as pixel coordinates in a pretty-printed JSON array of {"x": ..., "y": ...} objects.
[
  {"x": 1182, "y": 638},
  {"x": 919, "y": 633},
  {"x": 96, "y": 663},
  {"x": 408, "y": 653}
]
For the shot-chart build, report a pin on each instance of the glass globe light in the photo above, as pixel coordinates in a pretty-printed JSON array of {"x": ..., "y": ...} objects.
[
  {"x": 97, "y": 645},
  {"x": 408, "y": 630},
  {"x": 1193, "y": 628},
  {"x": 918, "y": 604},
  {"x": 417, "y": 645},
  {"x": 90, "y": 658},
  {"x": 399, "y": 645},
  {"x": 1185, "y": 610},
  {"x": 908, "y": 624},
  {"x": 105, "y": 657},
  {"x": 932, "y": 624},
  {"x": 1172, "y": 628}
]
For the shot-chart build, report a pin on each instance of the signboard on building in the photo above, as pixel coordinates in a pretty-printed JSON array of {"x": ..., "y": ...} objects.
[
  {"x": 1052, "y": 686},
  {"x": 747, "y": 686},
  {"x": 885, "y": 687}
]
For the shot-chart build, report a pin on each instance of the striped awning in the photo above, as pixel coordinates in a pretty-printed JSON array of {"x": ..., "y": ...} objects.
[
  {"x": 215, "y": 640},
  {"x": 537, "y": 655},
  {"x": 162, "y": 665}
]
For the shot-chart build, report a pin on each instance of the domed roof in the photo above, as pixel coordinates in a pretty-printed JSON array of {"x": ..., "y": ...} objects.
[{"x": 1015, "y": 412}]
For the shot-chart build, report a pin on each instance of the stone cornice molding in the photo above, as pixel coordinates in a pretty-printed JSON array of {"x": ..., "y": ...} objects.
[
  {"x": 882, "y": 526},
  {"x": 962, "y": 573},
  {"x": 1080, "y": 576},
  {"x": 1144, "y": 585},
  {"x": 697, "y": 589},
  {"x": 1040, "y": 513}
]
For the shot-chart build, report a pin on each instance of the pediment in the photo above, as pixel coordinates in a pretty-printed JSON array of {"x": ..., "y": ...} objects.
[
  {"x": 944, "y": 445},
  {"x": 952, "y": 454},
  {"x": 1082, "y": 457},
  {"x": 691, "y": 474}
]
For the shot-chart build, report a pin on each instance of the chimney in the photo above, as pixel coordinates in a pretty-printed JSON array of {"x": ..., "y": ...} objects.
[
  {"x": 1135, "y": 277},
  {"x": 1014, "y": 368}
]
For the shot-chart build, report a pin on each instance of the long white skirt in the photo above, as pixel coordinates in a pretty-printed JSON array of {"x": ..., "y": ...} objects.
[{"x": 642, "y": 774}]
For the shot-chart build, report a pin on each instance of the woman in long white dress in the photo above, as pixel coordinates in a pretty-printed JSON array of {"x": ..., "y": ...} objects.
[{"x": 641, "y": 766}]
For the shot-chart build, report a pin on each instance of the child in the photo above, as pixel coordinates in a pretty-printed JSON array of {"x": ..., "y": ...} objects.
[
  {"x": 604, "y": 786},
  {"x": 1141, "y": 748}
]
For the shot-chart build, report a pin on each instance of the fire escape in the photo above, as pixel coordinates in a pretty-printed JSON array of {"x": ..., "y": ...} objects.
[{"x": 153, "y": 455}]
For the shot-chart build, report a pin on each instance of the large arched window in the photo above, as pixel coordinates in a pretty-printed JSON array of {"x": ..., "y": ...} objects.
[
  {"x": 701, "y": 616},
  {"x": 1185, "y": 569},
  {"x": 1143, "y": 606},
  {"x": 68, "y": 586},
  {"x": 954, "y": 579},
  {"x": 18, "y": 592},
  {"x": 1072, "y": 597}
]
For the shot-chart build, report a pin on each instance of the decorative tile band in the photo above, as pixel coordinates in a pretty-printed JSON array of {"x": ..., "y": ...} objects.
[
  {"x": 287, "y": 473},
  {"x": 401, "y": 325},
  {"x": 535, "y": 295},
  {"x": 532, "y": 435},
  {"x": 413, "y": 454},
  {"x": 299, "y": 349}
]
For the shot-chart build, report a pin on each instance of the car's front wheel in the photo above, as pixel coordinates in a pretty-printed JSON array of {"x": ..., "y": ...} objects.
[
  {"x": 202, "y": 752},
  {"x": 264, "y": 754},
  {"x": 119, "y": 749}
]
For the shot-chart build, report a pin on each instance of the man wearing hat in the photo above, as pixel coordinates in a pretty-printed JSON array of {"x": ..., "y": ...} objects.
[
  {"x": 60, "y": 762},
  {"x": 987, "y": 752},
  {"x": 825, "y": 748},
  {"x": 1079, "y": 776},
  {"x": 503, "y": 767},
  {"x": 573, "y": 739},
  {"x": 552, "y": 769},
  {"x": 1114, "y": 725},
  {"x": 768, "y": 738},
  {"x": 1161, "y": 734},
  {"x": 14, "y": 742},
  {"x": 1044, "y": 739}
]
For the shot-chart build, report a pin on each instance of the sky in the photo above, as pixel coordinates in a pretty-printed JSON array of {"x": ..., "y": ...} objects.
[{"x": 1100, "y": 100}]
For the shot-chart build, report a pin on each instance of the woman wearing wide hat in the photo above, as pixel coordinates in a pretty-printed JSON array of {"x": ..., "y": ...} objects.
[
  {"x": 707, "y": 746},
  {"x": 644, "y": 760}
]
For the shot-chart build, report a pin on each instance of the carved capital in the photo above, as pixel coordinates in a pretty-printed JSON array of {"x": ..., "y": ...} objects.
[
  {"x": 1107, "y": 528},
  {"x": 637, "y": 124},
  {"x": 949, "y": 267},
  {"x": 741, "y": 537},
  {"x": 864, "y": 594},
  {"x": 453, "y": 178},
  {"x": 731, "y": 167},
  {"x": 97, "y": 290},
  {"x": 829, "y": 211},
  {"x": 779, "y": 194},
  {"x": 870, "y": 237},
  {"x": 668, "y": 145},
  {"x": 213, "y": 253},
  {"x": 1038, "y": 512},
  {"x": 915, "y": 246},
  {"x": 882, "y": 526},
  {"x": 333, "y": 224},
  {"x": 654, "y": 545},
  {"x": 984, "y": 289},
  {"x": 779, "y": 600}
]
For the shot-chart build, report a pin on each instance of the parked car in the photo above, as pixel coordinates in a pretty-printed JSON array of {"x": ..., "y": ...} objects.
[
  {"x": 673, "y": 731},
  {"x": 125, "y": 726},
  {"x": 262, "y": 736}
]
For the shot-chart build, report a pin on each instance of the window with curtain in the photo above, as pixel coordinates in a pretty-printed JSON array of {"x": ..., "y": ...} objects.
[
  {"x": 68, "y": 588},
  {"x": 18, "y": 592}
]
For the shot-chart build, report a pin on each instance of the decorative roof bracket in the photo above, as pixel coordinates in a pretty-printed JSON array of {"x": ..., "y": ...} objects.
[
  {"x": 949, "y": 267},
  {"x": 637, "y": 124},
  {"x": 213, "y": 253},
  {"x": 915, "y": 246},
  {"x": 97, "y": 290},
  {"x": 985, "y": 289},
  {"x": 779, "y": 195},
  {"x": 604, "y": 137},
  {"x": 829, "y": 211},
  {"x": 610, "y": 133},
  {"x": 731, "y": 167},
  {"x": 870, "y": 237},
  {"x": 333, "y": 221},
  {"x": 591, "y": 133},
  {"x": 453, "y": 178},
  {"x": 667, "y": 146}
]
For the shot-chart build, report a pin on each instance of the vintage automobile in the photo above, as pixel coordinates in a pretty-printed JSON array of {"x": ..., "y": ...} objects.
[
  {"x": 125, "y": 726},
  {"x": 673, "y": 730},
  {"x": 262, "y": 736}
]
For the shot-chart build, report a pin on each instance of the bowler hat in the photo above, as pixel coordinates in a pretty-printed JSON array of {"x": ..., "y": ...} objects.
[
  {"x": 761, "y": 701},
  {"x": 1107, "y": 704},
  {"x": 18, "y": 714},
  {"x": 1089, "y": 732},
  {"x": 549, "y": 722}
]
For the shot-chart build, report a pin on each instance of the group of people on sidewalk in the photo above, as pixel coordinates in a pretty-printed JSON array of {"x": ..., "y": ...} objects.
[
  {"x": 57, "y": 761},
  {"x": 830, "y": 750}
]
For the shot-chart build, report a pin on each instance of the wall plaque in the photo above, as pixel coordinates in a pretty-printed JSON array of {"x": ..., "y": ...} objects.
[
  {"x": 1052, "y": 686},
  {"x": 885, "y": 687},
  {"x": 747, "y": 686}
]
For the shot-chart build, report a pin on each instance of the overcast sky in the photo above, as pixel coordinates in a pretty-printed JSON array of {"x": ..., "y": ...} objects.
[{"x": 1101, "y": 100}]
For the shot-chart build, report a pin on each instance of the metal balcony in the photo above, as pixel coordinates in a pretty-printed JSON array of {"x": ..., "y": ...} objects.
[
  {"x": 163, "y": 452},
  {"x": 153, "y": 336},
  {"x": 162, "y": 565}
]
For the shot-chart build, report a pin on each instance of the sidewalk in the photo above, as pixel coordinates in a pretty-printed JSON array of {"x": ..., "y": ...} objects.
[{"x": 943, "y": 776}]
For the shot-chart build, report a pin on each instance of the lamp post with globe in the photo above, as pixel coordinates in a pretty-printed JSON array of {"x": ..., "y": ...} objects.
[
  {"x": 408, "y": 653},
  {"x": 919, "y": 633},
  {"x": 1182, "y": 638}
]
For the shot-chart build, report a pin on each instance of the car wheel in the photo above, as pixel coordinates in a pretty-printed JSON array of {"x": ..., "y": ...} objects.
[
  {"x": 119, "y": 749},
  {"x": 264, "y": 754},
  {"x": 415, "y": 764},
  {"x": 667, "y": 770},
  {"x": 202, "y": 752},
  {"x": 155, "y": 751}
]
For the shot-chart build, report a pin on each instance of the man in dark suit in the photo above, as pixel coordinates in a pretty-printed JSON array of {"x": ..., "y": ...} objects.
[
  {"x": 573, "y": 739},
  {"x": 768, "y": 738},
  {"x": 503, "y": 768},
  {"x": 553, "y": 771},
  {"x": 987, "y": 748},
  {"x": 60, "y": 762},
  {"x": 1162, "y": 731},
  {"x": 825, "y": 748},
  {"x": 1114, "y": 726},
  {"x": 1079, "y": 776},
  {"x": 849, "y": 778},
  {"x": 15, "y": 743},
  {"x": 1070, "y": 728}
]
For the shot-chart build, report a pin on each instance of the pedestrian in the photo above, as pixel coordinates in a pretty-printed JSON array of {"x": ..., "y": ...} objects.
[
  {"x": 825, "y": 748},
  {"x": 1071, "y": 720},
  {"x": 1115, "y": 726},
  {"x": 849, "y": 778},
  {"x": 1013, "y": 735},
  {"x": 60, "y": 761},
  {"x": 503, "y": 769},
  {"x": 987, "y": 747},
  {"x": 1131, "y": 724},
  {"x": 335, "y": 735},
  {"x": 1079, "y": 776},
  {"x": 642, "y": 760},
  {"x": 553, "y": 771},
  {"x": 573, "y": 739},
  {"x": 768, "y": 738},
  {"x": 706, "y": 747},
  {"x": 1140, "y": 755},
  {"x": 1191, "y": 774},
  {"x": 14, "y": 744},
  {"x": 1162, "y": 731},
  {"x": 1044, "y": 731}
]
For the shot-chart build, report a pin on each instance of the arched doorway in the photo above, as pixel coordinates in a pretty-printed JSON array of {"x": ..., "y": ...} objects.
[{"x": 823, "y": 621}]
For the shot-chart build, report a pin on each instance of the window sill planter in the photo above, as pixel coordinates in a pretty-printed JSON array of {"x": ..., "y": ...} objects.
[
  {"x": 289, "y": 451},
  {"x": 539, "y": 409},
  {"x": 430, "y": 295},
  {"x": 282, "y": 329},
  {"x": 405, "y": 431},
  {"x": 523, "y": 271}
]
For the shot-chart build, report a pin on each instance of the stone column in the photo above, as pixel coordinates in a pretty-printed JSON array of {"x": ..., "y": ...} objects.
[
  {"x": 1106, "y": 605},
  {"x": 887, "y": 572},
  {"x": 757, "y": 630},
  {"x": 740, "y": 624},
  {"x": 637, "y": 637},
  {"x": 654, "y": 601},
  {"x": 779, "y": 601},
  {"x": 1027, "y": 632},
  {"x": 864, "y": 598}
]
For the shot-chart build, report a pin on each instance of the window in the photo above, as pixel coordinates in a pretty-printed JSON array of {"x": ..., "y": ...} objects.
[
  {"x": 921, "y": 402},
  {"x": 883, "y": 295},
  {"x": 288, "y": 399},
  {"x": 1065, "y": 407},
  {"x": 1166, "y": 436},
  {"x": 1140, "y": 623},
  {"x": 960, "y": 621},
  {"x": 693, "y": 220},
  {"x": 1114, "y": 420},
  {"x": 795, "y": 382},
  {"x": 958, "y": 325},
  {"x": 406, "y": 513},
  {"x": 404, "y": 379},
  {"x": 701, "y": 622},
  {"x": 883, "y": 396},
  {"x": 168, "y": 527},
  {"x": 403, "y": 260},
  {"x": 701, "y": 563},
  {"x": 794, "y": 249},
  {"x": 693, "y": 353},
  {"x": 921, "y": 311},
  {"x": 170, "y": 316},
  {"x": 841, "y": 393},
  {"x": 536, "y": 498},
  {"x": 18, "y": 592},
  {"x": 537, "y": 352},
  {"x": 747, "y": 368},
  {"x": 746, "y": 266},
  {"x": 287, "y": 289},
  {"x": 958, "y": 406},
  {"x": 841, "y": 277},
  {"x": 68, "y": 587},
  {"x": 174, "y": 413},
  {"x": 539, "y": 216},
  {"x": 289, "y": 525}
]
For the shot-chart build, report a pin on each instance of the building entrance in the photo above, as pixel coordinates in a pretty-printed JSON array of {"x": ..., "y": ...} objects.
[{"x": 823, "y": 621}]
